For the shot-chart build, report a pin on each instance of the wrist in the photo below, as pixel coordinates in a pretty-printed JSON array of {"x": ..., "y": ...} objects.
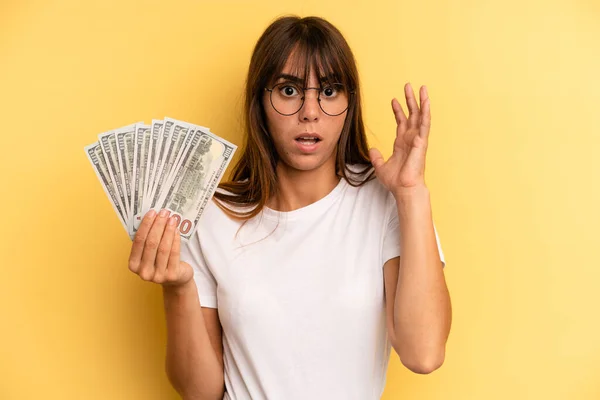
[
  {"x": 180, "y": 289},
  {"x": 413, "y": 204},
  {"x": 411, "y": 193}
]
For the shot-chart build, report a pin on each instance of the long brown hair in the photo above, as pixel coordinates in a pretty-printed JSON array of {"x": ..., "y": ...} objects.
[{"x": 314, "y": 42}]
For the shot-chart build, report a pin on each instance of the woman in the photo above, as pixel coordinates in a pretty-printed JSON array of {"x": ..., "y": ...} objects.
[{"x": 293, "y": 286}]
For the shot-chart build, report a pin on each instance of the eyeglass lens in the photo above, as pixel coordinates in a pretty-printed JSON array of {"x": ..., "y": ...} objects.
[{"x": 287, "y": 98}]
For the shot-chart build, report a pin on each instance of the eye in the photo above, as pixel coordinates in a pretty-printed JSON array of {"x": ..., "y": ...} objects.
[
  {"x": 329, "y": 91},
  {"x": 288, "y": 90}
]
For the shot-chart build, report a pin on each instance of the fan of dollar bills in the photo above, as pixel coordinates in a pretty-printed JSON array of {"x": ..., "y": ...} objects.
[{"x": 170, "y": 164}]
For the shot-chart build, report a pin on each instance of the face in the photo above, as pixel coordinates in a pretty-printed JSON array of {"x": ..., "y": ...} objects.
[{"x": 291, "y": 133}]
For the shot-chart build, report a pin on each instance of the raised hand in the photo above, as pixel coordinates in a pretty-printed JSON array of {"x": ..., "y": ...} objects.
[{"x": 405, "y": 169}]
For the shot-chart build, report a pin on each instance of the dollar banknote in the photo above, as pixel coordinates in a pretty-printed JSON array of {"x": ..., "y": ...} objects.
[
  {"x": 108, "y": 142},
  {"x": 125, "y": 144},
  {"x": 140, "y": 169},
  {"x": 156, "y": 128},
  {"x": 195, "y": 178},
  {"x": 168, "y": 164},
  {"x": 96, "y": 158},
  {"x": 163, "y": 147},
  {"x": 178, "y": 135},
  {"x": 159, "y": 147}
]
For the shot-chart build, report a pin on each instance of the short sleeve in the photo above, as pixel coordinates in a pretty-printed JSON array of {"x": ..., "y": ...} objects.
[
  {"x": 391, "y": 239},
  {"x": 206, "y": 283}
]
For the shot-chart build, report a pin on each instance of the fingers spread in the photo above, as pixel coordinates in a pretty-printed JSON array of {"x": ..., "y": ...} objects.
[
  {"x": 413, "y": 107},
  {"x": 398, "y": 112},
  {"x": 425, "y": 113},
  {"x": 425, "y": 121},
  {"x": 423, "y": 96}
]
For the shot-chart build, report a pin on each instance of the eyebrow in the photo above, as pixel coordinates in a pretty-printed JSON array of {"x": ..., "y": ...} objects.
[{"x": 297, "y": 79}]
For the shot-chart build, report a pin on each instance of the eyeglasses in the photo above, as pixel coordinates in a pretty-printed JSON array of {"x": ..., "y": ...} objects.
[{"x": 287, "y": 98}]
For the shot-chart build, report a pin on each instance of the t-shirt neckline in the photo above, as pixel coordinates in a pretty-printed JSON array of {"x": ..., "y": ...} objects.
[{"x": 320, "y": 204}]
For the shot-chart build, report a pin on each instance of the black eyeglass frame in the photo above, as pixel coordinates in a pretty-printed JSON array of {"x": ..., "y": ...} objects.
[{"x": 351, "y": 92}]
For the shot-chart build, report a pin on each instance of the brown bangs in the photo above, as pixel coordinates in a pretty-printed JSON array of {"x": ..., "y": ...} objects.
[{"x": 309, "y": 49}]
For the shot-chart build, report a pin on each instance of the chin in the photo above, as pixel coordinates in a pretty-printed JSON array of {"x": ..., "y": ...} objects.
[{"x": 306, "y": 163}]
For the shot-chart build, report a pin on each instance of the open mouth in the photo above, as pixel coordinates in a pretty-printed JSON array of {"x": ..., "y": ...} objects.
[{"x": 307, "y": 140}]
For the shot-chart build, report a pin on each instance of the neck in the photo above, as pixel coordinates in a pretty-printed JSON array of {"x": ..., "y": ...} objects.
[{"x": 297, "y": 189}]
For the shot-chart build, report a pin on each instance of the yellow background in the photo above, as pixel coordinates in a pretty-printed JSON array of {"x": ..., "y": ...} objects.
[{"x": 513, "y": 168}]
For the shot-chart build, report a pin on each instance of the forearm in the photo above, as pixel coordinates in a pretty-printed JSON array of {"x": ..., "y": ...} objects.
[
  {"x": 192, "y": 365},
  {"x": 422, "y": 309}
]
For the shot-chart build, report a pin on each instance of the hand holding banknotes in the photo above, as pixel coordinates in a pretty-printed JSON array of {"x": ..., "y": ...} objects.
[{"x": 155, "y": 251}]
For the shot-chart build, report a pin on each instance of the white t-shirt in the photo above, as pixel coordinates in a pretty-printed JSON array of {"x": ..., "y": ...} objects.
[{"x": 300, "y": 295}]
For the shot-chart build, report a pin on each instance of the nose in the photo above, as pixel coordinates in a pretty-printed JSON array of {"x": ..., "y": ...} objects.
[{"x": 310, "y": 109}]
